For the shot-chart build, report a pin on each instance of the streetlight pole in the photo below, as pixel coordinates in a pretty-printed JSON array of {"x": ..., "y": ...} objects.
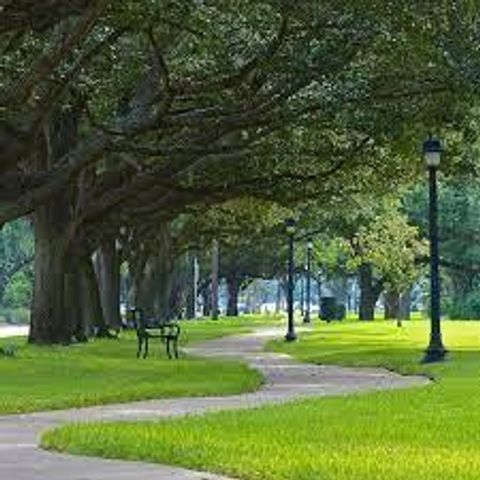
[
  {"x": 306, "y": 318},
  {"x": 192, "y": 291},
  {"x": 435, "y": 352},
  {"x": 214, "y": 279},
  {"x": 319, "y": 292},
  {"x": 302, "y": 291},
  {"x": 290, "y": 227}
]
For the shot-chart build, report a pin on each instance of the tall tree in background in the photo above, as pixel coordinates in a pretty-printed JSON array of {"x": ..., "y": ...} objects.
[{"x": 16, "y": 252}]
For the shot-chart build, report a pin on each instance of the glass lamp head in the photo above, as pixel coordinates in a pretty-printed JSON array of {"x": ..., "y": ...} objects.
[
  {"x": 290, "y": 226},
  {"x": 432, "y": 152}
]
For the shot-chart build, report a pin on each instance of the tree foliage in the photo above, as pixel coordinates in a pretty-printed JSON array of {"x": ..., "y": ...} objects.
[
  {"x": 121, "y": 120},
  {"x": 392, "y": 246},
  {"x": 16, "y": 256}
]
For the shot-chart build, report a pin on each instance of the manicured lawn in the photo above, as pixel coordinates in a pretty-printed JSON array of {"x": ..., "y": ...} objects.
[
  {"x": 106, "y": 371},
  {"x": 423, "y": 433}
]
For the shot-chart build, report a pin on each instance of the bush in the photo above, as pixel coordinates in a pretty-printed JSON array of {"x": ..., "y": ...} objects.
[
  {"x": 20, "y": 316},
  {"x": 18, "y": 292},
  {"x": 466, "y": 309}
]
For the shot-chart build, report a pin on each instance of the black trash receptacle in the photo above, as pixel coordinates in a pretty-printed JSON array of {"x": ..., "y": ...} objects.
[{"x": 330, "y": 310}]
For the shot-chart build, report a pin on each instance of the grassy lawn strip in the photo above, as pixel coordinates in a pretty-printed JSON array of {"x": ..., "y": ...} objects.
[
  {"x": 421, "y": 433},
  {"x": 106, "y": 371}
]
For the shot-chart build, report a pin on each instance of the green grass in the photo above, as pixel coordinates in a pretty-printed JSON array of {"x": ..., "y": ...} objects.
[
  {"x": 426, "y": 433},
  {"x": 199, "y": 330},
  {"x": 106, "y": 371}
]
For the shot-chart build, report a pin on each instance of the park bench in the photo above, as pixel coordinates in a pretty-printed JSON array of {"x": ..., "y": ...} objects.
[{"x": 167, "y": 332}]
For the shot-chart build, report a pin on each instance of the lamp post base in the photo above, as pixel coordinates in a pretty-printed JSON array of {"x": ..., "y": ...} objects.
[
  {"x": 290, "y": 337},
  {"x": 306, "y": 319},
  {"x": 434, "y": 353}
]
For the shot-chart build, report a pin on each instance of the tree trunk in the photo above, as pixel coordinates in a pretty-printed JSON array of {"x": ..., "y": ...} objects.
[
  {"x": 206, "y": 301},
  {"x": 48, "y": 322},
  {"x": 319, "y": 293},
  {"x": 392, "y": 305},
  {"x": 302, "y": 295},
  {"x": 278, "y": 299},
  {"x": 233, "y": 286},
  {"x": 192, "y": 288},
  {"x": 154, "y": 283},
  {"x": 215, "y": 266},
  {"x": 108, "y": 273},
  {"x": 74, "y": 302},
  {"x": 153, "y": 289},
  {"x": 369, "y": 293},
  {"x": 405, "y": 305},
  {"x": 93, "y": 319}
]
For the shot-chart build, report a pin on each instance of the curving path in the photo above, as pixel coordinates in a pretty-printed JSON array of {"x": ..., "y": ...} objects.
[
  {"x": 285, "y": 380},
  {"x": 13, "y": 331}
]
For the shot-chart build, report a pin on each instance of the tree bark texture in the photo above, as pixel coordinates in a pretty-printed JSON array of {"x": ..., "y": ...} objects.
[
  {"x": 205, "y": 292},
  {"x": 93, "y": 320},
  {"x": 192, "y": 287},
  {"x": 233, "y": 286},
  {"x": 49, "y": 324},
  {"x": 405, "y": 305},
  {"x": 392, "y": 305},
  {"x": 154, "y": 283},
  {"x": 215, "y": 268},
  {"x": 108, "y": 273},
  {"x": 370, "y": 290},
  {"x": 57, "y": 306}
]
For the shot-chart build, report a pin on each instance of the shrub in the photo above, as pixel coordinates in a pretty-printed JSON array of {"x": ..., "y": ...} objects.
[
  {"x": 18, "y": 292},
  {"x": 19, "y": 316},
  {"x": 467, "y": 308}
]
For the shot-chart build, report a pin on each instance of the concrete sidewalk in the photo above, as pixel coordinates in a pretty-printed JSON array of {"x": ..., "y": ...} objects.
[
  {"x": 13, "y": 331},
  {"x": 285, "y": 380}
]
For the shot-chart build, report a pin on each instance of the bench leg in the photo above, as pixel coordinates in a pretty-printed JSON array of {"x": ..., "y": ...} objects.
[
  {"x": 139, "y": 349},
  {"x": 145, "y": 353},
  {"x": 168, "y": 348},
  {"x": 175, "y": 347}
]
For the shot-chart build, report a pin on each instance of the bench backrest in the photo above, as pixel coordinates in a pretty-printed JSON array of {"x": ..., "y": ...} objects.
[
  {"x": 135, "y": 316},
  {"x": 141, "y": 324}
]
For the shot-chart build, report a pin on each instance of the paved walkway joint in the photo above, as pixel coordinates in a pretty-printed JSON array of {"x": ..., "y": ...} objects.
[{"x": 285, "y": 380}]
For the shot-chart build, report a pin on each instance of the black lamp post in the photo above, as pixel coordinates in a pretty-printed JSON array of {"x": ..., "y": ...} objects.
[
  {"x": 290, "y": 227},
  {"x": 302, "y": 291},
  {"x": 308, "y": 293},
  {"x": 432, "y": 151},
  {"x": 319, "y": 292}
]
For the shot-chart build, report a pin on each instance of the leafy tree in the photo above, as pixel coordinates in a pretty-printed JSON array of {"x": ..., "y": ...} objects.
[
  {"x": 331, "y": 254},
  {"x": 459, "y": 227},
  {"x": 18, "y": 292},
  {"x": 251, "y": 238},
  {"x": 389, "y": 247},
  {"x": 118, "y": 114},
  {"x": 16, "y": 256},
  {"x": 371, "y": 238}
]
